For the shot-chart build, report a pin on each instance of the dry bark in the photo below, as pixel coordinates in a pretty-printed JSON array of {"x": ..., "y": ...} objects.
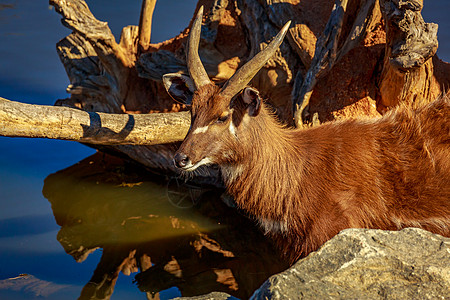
[
  {"x": 145, "y": 24},
  {"x": 63, "y": 123},
  {"x": 407, "y": 69},
  {"x": 327, "y": 53}
]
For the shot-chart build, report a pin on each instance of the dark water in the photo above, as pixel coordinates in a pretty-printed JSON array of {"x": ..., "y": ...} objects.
[{"x": 130, "y": 218}]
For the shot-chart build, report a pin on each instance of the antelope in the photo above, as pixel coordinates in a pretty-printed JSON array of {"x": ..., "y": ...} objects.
[{"x": 303, "y": 186}]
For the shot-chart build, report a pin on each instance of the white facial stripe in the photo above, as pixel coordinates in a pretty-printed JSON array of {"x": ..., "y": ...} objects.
[
  {"x": 200, "y": 130},
  {"x": 204, "y": 161}
]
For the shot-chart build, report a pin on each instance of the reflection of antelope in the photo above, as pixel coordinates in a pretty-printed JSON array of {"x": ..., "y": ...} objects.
[{"x": 304, "y": 186}]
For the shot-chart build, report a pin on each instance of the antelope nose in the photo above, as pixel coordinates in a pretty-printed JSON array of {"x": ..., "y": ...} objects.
[{"x": 181, "y": 160}]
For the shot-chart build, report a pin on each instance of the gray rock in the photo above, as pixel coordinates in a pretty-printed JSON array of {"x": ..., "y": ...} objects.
[
  {"x": 368, "y": 264},
  {"x": 210, "y": 296}
]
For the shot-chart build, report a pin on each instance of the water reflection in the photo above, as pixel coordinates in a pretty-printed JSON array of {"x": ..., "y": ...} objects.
[{"x": 149, "y": 225}]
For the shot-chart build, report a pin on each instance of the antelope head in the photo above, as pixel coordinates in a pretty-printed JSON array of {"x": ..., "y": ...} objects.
[{"x": 217, "y": 114}]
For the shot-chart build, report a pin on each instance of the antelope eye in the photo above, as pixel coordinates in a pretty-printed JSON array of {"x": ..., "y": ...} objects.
[{"x": 222, "y": 119}]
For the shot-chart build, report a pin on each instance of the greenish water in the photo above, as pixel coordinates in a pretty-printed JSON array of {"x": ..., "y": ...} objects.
[
  {"x": 115, "y": 229},
  {"x": 78, "y": 229}
]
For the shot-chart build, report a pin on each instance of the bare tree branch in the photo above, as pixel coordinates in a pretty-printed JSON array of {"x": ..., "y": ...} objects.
[
  {"x": 327, "y": 53},
  {"x": 77, "y": 16},
  {"x": 145, "y": 24},
  {"x": 324, "y": 58},
  {"x": 55, "y": 122}
]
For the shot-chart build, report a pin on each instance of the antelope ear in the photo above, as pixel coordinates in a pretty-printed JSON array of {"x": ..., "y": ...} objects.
[
  {"x": 180, "y": 87},
  {"x": 252, "y": 98}
]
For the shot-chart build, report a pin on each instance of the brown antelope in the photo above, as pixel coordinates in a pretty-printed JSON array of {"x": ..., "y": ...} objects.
[{"x": 303, "y": 186}]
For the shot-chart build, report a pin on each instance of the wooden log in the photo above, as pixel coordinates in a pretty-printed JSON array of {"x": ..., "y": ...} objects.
[
  {"x": 40, "y": 121},
  {"x": 102, "y": 72}
]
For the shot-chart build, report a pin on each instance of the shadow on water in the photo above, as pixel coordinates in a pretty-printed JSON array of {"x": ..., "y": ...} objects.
[{"x": 172, "y": 234}]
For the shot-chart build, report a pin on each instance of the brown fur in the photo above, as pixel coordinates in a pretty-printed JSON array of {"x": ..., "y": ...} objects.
[{"x": 304, "y": 186}]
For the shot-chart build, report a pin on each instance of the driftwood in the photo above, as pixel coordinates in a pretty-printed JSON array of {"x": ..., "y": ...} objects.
[
  {"x": 407, "y": 65},
  {"x": 370, "y": 55},
  {"x": 145, "y": 24},
  {"x": 53, "y": 122},
  {"x": 327, "y": 54}
]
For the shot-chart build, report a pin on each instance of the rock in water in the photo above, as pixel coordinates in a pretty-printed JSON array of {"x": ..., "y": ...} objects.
[{"x": 368, "y": 264}]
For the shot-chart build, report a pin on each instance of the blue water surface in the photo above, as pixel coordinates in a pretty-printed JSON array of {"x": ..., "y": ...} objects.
[{"x": 31, "y": 72}]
